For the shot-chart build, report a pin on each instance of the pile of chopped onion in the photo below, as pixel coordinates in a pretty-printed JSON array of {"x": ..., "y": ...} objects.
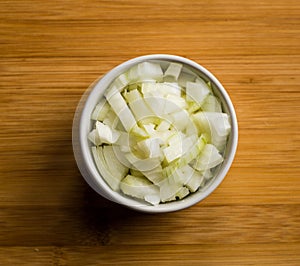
[{"x": 159, "y": 133}]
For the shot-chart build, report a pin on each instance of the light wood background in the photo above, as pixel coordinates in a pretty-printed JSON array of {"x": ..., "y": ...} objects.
[{"x": 51, "y": 51}]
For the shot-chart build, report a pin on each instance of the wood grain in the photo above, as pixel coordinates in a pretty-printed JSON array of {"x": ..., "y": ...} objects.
[
  {"x": 51, "y": 51},
  {"x": 273, "y": 254}
]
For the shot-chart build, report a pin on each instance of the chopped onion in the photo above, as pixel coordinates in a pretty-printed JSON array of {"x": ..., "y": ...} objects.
[
  {"x": 139, "y": 187},
  {"x": 158, "y": 135},
  {"x": 173, "y": 71},
  {"x": 100, "y": 110},
  {"x": 196, "y": 92},
  {"x": 106, "y": 173},
  {"x": 209, "y": 158}
]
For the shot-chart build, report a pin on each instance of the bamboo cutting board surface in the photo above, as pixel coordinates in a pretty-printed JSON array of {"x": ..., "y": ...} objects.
[{"x": 51, "y": 51}]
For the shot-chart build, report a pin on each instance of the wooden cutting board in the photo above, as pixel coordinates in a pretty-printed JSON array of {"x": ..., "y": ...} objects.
[{"x": 51, "y": 51}]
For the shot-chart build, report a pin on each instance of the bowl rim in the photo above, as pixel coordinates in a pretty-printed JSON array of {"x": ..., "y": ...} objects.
[{"x": 92, "y": 174}]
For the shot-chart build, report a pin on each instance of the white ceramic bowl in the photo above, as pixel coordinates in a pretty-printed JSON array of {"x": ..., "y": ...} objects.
[{"x": 82, "y": 125}]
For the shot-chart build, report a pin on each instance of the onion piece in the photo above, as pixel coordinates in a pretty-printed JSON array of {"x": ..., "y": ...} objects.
[
  {"x": 211, "y": 104},
  {"x": 142, "y": 164},
  {"x": 173, "y": 71},
  {"x": 100, "y": 110},
  {"x": 113, "y": 164},
  {"x": 184, "y": 78},
  {"x": 215, "y": 126},
  {"x": 110, "y": 179},
  {"x": 196, "y": 180},
  {"x": 139, "y": 187},
  {"x": 209, "y": 158},
  {"x": 118, "y": 104},
  {"x": 106, "y": 134},
  {"x": 145, "y": 71},
  {"x": 196, "y": 92}
]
